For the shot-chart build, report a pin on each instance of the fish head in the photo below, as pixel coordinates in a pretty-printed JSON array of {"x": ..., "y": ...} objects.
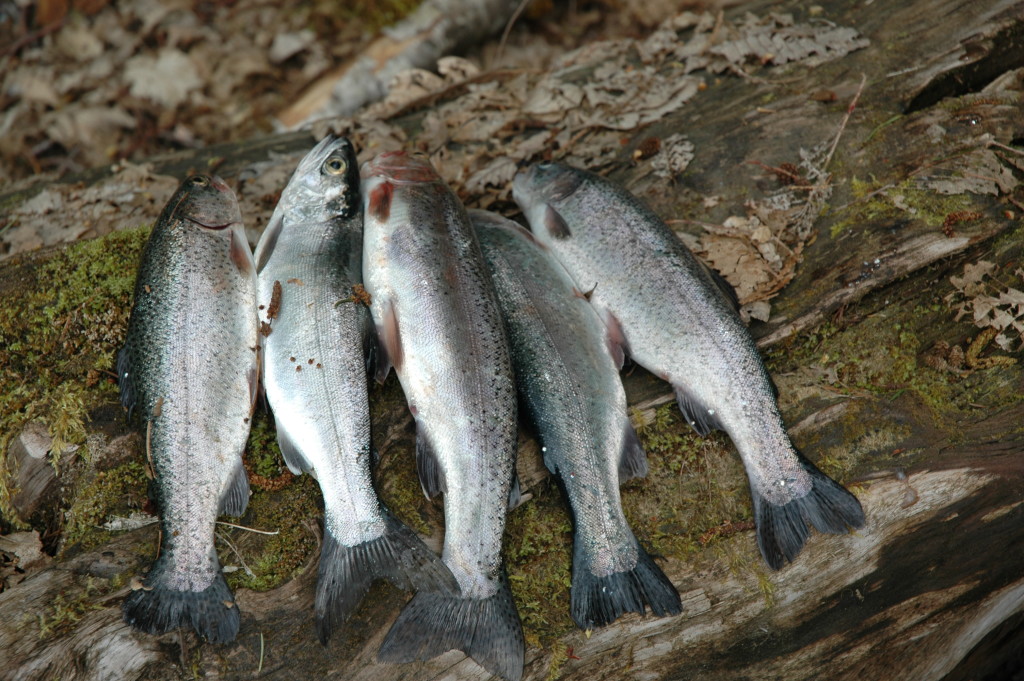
[
  {"x": 325, "y": 184},
  {"x": 489, "y": 222},
  {"x": 206, "y": 201},
  {"x": 396, "y": 169},
  {"x": 401, "y": 167},
  {"x": 547, "y": 182},
  {"x": 542, "y": 191}
]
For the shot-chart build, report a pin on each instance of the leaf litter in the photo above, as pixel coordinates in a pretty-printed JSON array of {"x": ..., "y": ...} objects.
[
  {"x": 982, "y": 296},
  {"x": 476, "y": 126}
]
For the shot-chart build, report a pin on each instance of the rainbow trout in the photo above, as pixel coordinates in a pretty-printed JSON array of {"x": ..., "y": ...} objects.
[
  {"x": 440, "y": 327},
  {"x": 668, "y": 312},
  {"x": 569, "y": 384},
  {"x": 316, "y": 336},
  {"x": 189, "y": 368}
]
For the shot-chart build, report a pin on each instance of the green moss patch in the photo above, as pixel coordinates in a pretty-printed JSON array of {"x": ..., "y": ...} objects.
[
  {"x": 273, "y": 559},
  {"x": 538, "y": 554},
  {"x": 59, "y": 334},
  {"x": 906, "y": 201},
  {"x": 61, "y": 615},
  {"x": 695, "y": 486},
  {"x": 119, "y": 491}
]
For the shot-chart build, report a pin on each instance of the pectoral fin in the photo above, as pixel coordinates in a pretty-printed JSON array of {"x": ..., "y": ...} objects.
[
  {"x": 615, "y": 338},
  {"x": 555, "y": 224},
  {"x": 241, "y": 255},
  {"x": 265, "y": 248}
]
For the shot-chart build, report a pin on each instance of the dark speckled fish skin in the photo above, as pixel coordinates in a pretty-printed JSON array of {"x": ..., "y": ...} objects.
[
  {"x": 569, "y": 385},
  {"x": 440, "y": 326},
  {"x": 314, "y": 374},
  {"x": 674, "y": 321},
  {"x": 189, "y": 370}
]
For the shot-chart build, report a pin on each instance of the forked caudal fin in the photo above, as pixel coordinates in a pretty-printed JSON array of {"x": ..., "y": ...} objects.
[
  {"x": 599, "y": 601},
  {"x": 782, "y": 530},
  {"x": 346, "y": 572},
  {"x": 488, "y": 630},
  {"x": 156, "y": 609}
]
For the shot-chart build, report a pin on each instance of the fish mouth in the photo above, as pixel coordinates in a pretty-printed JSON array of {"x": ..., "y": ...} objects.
[
  {"x": 213, "y": 226},
  {"x": 402, "y": 167}
]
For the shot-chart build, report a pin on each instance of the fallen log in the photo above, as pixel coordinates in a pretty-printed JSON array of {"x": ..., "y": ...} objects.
[{"x": 894, "y": 374}]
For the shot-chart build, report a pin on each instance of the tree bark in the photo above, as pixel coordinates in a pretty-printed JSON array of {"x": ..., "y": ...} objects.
[{"x": 925, "y": 413}]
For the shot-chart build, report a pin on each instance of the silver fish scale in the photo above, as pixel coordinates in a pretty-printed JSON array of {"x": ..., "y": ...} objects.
[
  {"x": 191, "y": 350},
  {"x": 692, "y": 338},
  {"x": 315, "y": 367},
  {"x": 572, "y": 388},
  {"x": 424, "y": 262}
]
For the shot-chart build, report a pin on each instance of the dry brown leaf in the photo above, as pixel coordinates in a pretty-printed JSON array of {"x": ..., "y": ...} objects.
[
  {"x": 974, "y": 273},
  {"x": 674, "y": 157},
  {"x": 978, "y": 172},
  {"x": 168, "y": 78},
  {"x": 290, "y": 43}
]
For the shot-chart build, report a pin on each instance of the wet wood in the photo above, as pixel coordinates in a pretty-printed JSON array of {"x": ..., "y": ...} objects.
[
  {"x": 35, "y": 478},
  {"x": 935, "y": 572},
  {"x": 435, "y": 29}
]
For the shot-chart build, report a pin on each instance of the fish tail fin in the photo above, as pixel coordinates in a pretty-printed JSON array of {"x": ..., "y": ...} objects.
[
  {"x": 600, "y": 600},
  {"x": 487, "y": 629},
  {"x": 346, "y": 572},
  {"x": 157, "y": 608},
  {"x": 782, "y": 530}
]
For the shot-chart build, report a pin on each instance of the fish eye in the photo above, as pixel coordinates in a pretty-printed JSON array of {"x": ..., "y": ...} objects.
[
  {"x": 335, "y": 166},
  {"x": 199, "y": 180}
]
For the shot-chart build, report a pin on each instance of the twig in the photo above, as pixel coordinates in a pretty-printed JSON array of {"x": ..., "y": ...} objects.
[
  {"x": 237, "y": 554},
  {"x": 846, "y": 119},
  {"x": 508, "y": 29},
  {"x": 882, "y": 126},
  {"x": 993, "y": 143},
  {"x": 248, "y": 529},
  {"x": 260, "y": 668},
  {"x": 34, "y": 36}
]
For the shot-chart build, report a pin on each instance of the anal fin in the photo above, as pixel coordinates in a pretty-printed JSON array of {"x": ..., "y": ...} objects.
[
  {"x": 389, "y": 346},
  {"x": 701, "y": 418},
  {"x": 633, "y": 461},
  {"x": 124, "y": 380},
  {"x": 297, "y": 463},
  {"x": 515, "y": 494},
  {"x": 427, "y": 466},
  {"x": 236, "y": 496}
]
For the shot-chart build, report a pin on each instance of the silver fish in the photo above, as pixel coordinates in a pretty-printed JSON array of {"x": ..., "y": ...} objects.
[
  {"x": 189, "y": 367},
  {"x": 440, "y": 328},
  {"x": 569, "y": 384},
  {"x": 670, "y": 313},
  {"x": 316, "y": 336}
]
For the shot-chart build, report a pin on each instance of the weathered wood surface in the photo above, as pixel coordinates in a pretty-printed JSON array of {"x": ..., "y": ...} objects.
[{"x": 939, "y": 566}]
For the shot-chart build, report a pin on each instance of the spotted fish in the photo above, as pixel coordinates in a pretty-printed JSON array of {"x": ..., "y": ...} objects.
[
  {"x": 671, "y": 315},
  {"x": 440, "y": 327},
  {"x": 189, "y": 370},
  {"x": 316, "y": 337},
  {"x": 569, "y": 385}
]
